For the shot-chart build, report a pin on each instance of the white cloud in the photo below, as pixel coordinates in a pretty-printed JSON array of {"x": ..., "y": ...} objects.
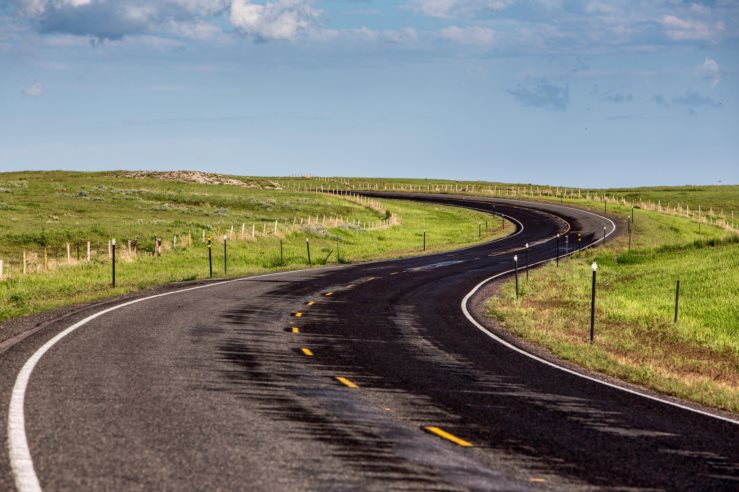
[
  {"x": 115, "y": 19},
  {"x": 598, "y": 7},
  {"x": 691, "y": 30},
  {"x": 34, "y": 90},
  {"x": 448, "y": 9},
  {"x": 711, "y": 71},
  {"x": 478, "y": 36},
  {"x": 405, "y": 35},
  {"x": 277, "y": 20}
]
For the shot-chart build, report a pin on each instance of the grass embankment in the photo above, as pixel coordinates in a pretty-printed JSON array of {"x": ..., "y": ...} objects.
[
  {"x": 45, "y": 211},
  {"x": 636, "y": 339}
]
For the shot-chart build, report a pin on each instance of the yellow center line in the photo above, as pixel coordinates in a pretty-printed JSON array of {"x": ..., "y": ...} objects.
[
  {"x": 310, "y": 303},
  {"x": 449, "y": 437},
  {"x": 394, "y": 273},
  {"x": 296, "y": 329},
  {"x": 298, "y": 314},
  {"x": 346, "y": 382},
  {"x": 328, "y": 294},
  {"x": 537, "y": 480},
  {"x": 307, "y": 352}
]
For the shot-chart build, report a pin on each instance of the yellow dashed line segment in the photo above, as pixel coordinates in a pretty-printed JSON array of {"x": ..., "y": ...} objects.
[
  {"x": 328, "y": 294},
  {"x": 449, "y": 437},
  {"x": 537, "y": 480},
  {"x": 298, "y": 315},
  {"x": 296, "y": 329},
  {"x": 307, "y": 352},
  {"x": 310, "y": 303},
  {"x": 346, "y": 382}
]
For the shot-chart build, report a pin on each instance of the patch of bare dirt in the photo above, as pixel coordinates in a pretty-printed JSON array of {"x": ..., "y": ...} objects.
[{"x": 201, "y": 178}]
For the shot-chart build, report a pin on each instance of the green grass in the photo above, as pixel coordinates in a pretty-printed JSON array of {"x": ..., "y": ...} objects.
[
  {"x": 44, "y": 211},
  {"x": 722, "y": 200},
  {"x": 636, "y": 338}
]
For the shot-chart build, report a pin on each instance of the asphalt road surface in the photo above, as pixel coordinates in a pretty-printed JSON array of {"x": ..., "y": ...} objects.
[{"x": 364, "y": 377}]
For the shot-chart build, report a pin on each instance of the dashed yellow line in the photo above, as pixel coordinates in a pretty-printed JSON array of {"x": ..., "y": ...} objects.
[
  {"x": 296, "y": 329},
  {"x": 346, "y": 382},
  {"x": 537, "y": 480},
  {"x": 449, "y": 437},
  {"x": 328, "y": 294},
  {"x": 310, "y": 303},
  {"x": 307, "y": 352},
  {"x": 298, "y": 314}
]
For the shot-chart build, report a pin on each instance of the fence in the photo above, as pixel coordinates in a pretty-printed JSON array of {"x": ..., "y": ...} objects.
[{"x": 71, "y": 254}]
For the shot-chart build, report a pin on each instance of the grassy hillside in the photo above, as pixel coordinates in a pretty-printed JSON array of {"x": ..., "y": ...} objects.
[
  {"x": 42, "y": 213},
  {"x": 709, "y": 203},
  {"x": 636, "y": 337}
]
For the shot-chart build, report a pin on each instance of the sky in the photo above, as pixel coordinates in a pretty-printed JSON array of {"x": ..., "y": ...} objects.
[{"x": 586, "y": 93}]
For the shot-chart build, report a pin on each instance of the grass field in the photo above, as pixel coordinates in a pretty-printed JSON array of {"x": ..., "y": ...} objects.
[
  {"x": 42, "y": 212},
  {"x": 711, "y": 202},
  {"x": 636, "y": 339}
]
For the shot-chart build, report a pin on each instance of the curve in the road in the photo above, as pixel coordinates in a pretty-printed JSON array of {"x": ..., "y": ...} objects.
[{"x": 375, "y": 315}]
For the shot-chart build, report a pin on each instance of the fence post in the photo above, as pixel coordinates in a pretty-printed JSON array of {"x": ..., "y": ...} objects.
[
  {"x": 677, "y": 298},
  {"x": 113, "y": 259},
  {"x": 592, "y": 305},
  {"x": 210, "y": 256},
  {"x": 225, "y": 255}
]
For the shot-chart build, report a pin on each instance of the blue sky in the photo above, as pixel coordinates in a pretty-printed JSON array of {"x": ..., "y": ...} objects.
[{"x": 568, "y": 92}]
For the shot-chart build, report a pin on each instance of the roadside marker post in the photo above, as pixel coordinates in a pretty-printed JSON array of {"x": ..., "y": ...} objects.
[
  {"x": 307, "y": 247},
  {"x": 424, "y": 240},
  {"x": 557, "y": 249},
  {"x": 113, "y": 258},
  {"x": 527, "y": 262},
  {"x": 604, "y": 235},
  {"x": 281, "y": 256},
  {"x": 630, "y": 227},
  {"x": 515, "y": 263},
  {"x": 479, "y": 231},
  {"x": 225, "y": 255},
  {"x": 677, "y": 298},
  {"x": 567, "y": 244},
  {"x": 210, "y": 256},
  {"x": 338, "y": 256},
  {"x": 592, "y": 305}
]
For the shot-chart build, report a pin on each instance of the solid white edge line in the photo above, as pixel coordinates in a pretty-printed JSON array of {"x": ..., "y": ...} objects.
[
  {"x": 21, "y": 462},
  {"x": 509, "y": 345}
]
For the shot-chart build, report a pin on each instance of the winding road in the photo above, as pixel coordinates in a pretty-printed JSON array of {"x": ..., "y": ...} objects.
[{"x": 373, "y": 376}]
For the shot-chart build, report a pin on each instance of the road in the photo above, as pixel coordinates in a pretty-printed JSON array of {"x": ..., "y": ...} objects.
[{"x": 365, "y": 376}]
